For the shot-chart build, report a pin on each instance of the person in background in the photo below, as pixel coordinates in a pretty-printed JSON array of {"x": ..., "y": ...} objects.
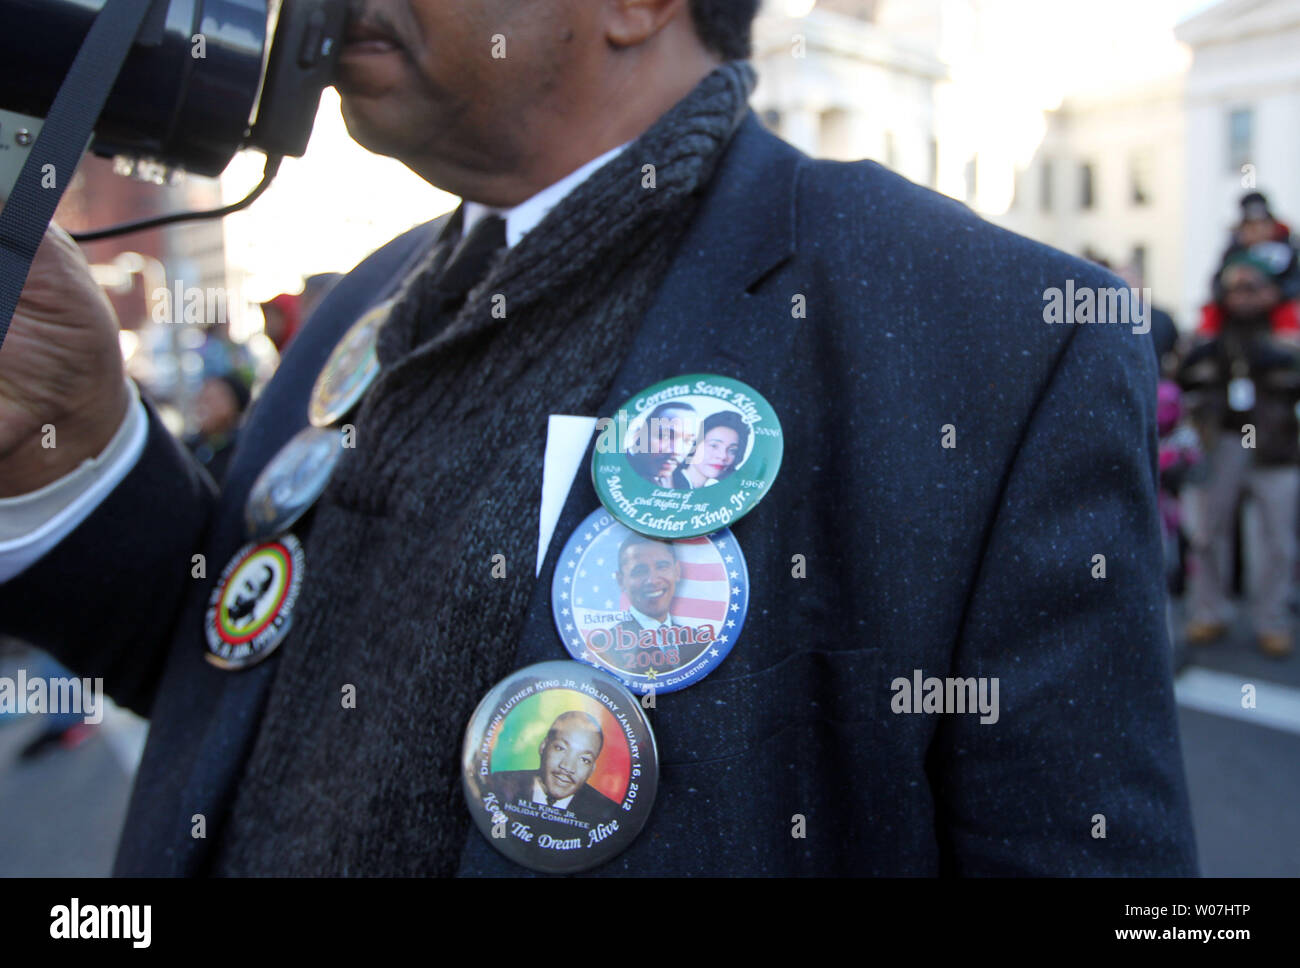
[
  {"x": 220, "y": 405},
  {"x": 283, "y": 316},
  {"x": 1164, "y": 331},
  {"x": 1164, "y": 335},
  {"x": 1179, "y": 452},
  {"x": 1262, "y": 234},
  {"x": 1242, "y": 375}
]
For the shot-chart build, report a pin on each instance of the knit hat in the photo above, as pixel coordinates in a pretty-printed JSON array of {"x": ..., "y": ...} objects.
[
  {"x": 1257, "y": 260},
  {"x": 1254, "y": 208},
  {"x": 288, "y": 305}
]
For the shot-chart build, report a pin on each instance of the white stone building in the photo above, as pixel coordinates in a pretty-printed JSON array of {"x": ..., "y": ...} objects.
[
  {"x": 837, "y": 85},
  {"x": 1243, "y": 123},
  {"x": 1108, "y": 180}
]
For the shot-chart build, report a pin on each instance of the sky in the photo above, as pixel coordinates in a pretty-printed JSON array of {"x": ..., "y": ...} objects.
[
  {"x": 1059, "y": 47},
  {"x": 1187, "y": 8}
]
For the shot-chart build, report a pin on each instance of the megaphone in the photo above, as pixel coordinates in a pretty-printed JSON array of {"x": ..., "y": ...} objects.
[
  {"x": 160, "y": 85},
  {"x": 202, "y": 79}
]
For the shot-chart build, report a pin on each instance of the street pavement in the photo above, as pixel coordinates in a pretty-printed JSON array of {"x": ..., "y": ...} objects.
[{"x": 1243, "y": 764}]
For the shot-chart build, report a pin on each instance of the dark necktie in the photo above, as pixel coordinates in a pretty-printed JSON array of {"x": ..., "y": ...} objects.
[
  {"x": 469, "y": 260},
  {"x": 465, "y": 267}
]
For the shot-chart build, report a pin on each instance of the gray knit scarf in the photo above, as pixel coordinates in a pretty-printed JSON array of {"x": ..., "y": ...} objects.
[{"x": 399, "y": 599}]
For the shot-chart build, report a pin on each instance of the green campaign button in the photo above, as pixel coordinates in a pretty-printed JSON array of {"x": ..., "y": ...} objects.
[{"x": 687, "y": 457}]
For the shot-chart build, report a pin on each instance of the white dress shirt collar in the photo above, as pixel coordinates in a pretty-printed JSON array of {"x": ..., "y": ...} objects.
[
  {"x": 525, "y": 216},
  {"x": 539, "y": 796},
  {"x": 646, "y": 622}
]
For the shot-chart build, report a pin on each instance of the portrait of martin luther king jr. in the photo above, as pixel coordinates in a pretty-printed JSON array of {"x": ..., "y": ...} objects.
[{"x": 567, "y": 757}]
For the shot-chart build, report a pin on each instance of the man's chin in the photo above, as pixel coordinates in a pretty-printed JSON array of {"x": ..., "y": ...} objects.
[{"x": 366, "y": 120}]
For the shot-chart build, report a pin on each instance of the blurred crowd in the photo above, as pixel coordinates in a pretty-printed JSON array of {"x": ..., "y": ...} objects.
[
  {"x": 201, "y": 381},
  {"x": 1230, "y": 440}
]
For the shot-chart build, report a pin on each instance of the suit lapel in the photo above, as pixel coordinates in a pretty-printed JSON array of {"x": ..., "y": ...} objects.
[
  {"x": 704, "y": 319},
  {"x": 703, "y": 310}
]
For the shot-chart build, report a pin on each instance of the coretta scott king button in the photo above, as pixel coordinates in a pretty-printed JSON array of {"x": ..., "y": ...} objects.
[
  {"x": 687, "y": 456},
  {"x": 291, "y": 482},
  {"x": 657, "y": 614},
  {"x": 251, "y": 608},
  {"x": 560, "y": 767},
  {"x": 349, "y": 371}
]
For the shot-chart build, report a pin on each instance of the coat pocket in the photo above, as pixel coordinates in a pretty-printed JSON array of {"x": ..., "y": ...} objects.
[{"x": 818, "y": 689}]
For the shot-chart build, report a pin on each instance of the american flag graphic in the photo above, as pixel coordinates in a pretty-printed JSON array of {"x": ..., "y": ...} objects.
[{"x": 713, "y": 589}]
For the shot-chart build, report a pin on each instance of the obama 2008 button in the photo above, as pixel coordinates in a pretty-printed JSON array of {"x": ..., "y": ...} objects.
[{"x": 659, "y": 615}]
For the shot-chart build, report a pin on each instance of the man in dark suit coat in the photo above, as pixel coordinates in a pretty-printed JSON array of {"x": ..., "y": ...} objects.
[{"x": 955, "y": 469}]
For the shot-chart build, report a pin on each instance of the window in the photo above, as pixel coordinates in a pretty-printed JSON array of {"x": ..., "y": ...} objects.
[
  {"x": 972, "y": 178},
  {"x": 1139, "y": 173},
  {"x": 891, "y": 151},
  {"x": 1087, "y": 190},
  {"x": 934, "y": 162},
  {"x": 1138, "y": 263},
  {"x": 837, "y": 134},
  {"x": 1045, "y": 187},
  {"x": 1241, "y": 138}
]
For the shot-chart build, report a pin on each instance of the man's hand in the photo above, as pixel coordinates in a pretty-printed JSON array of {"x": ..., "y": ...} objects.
[{"x": 61, "y": 367}]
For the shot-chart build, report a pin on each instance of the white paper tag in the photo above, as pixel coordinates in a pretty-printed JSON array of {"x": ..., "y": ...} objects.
[{"x": 566, "y": 442}]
